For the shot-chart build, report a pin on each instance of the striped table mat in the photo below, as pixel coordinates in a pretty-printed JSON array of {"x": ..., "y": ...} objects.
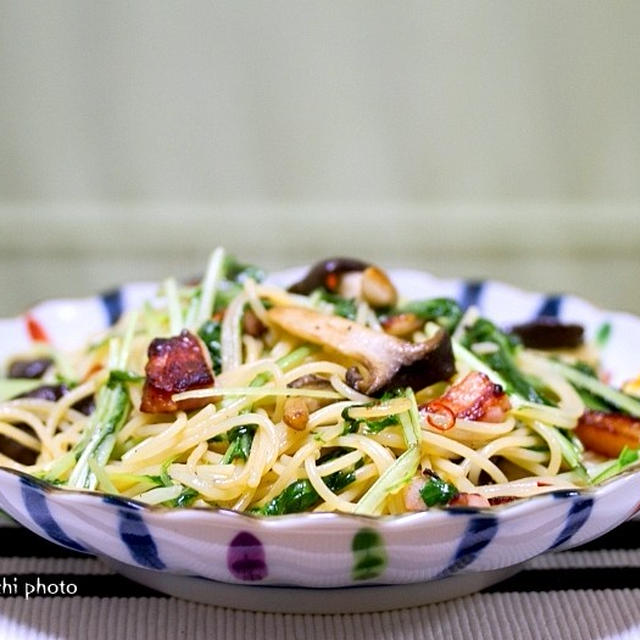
[{"x": 590, "y": 592}]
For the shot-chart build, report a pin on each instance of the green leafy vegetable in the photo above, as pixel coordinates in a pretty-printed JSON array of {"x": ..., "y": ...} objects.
[
  {"x": 227, "y": 291},
  {"x": 371, "y": 425},
  {"x": 444, "y": 311},
  {"x": 585, "y": 381},
  {"x": 591, "y": 400},
  {"x": 185, "y": 499},
  {"x": 209, "y": 332},
  {"x": 238, "y": 272},
  {"x": 502, "y": 360},
  {"x": 394, "y": 477},
  {"x": 437, "y": 491},
  {"x": 116, "y": 376},
  {"x": 345, "y": 307},
  {"x": 286, "y": 362},
  {"x": 111, "y": 412},
  {"x": 301, "y": 496},
  {"x": 375, "y": 426},
  {"x": 240, "y": 440},
  {"x": 164, "y": 477},
  {"x": 403, "y": 469},
  {"x": 626, "y": 458}
]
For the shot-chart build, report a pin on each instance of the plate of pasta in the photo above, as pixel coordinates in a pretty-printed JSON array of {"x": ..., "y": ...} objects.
[{"x": 328, "y": 438}]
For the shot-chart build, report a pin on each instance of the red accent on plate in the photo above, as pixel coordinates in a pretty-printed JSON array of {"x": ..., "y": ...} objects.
[{"x": 35, "y": 329}]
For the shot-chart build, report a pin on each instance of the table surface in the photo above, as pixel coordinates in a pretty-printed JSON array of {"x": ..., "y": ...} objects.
[{"x": 589, "y": 592}]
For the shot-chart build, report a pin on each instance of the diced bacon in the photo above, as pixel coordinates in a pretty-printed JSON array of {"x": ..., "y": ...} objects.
[
  {"x": 608, "y": 433},
  {"x": 412, "y": 499},
  {"x": 469, "y": 500},
  {"x": 475, "y": 397},
  {"x": 176, "y": 364}
]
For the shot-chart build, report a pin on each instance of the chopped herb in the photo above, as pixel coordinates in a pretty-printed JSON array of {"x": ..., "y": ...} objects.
[{"x": 436, "y": 491}]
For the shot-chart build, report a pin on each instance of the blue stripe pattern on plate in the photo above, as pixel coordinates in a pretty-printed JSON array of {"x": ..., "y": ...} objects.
[
  {"x": 578, "y": 514},
  {"x": 112, "y": 301},
  {"x": 480, "y": 532},
  {"x": 471, "y": 292},
  {"x": 35, "y": 501},
  {"x": 136, "y": 536},
  {"x": 550, "y": 308}
]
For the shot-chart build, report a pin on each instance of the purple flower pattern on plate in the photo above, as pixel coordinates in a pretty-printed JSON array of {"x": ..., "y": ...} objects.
[{"x": 246, "y": 558}]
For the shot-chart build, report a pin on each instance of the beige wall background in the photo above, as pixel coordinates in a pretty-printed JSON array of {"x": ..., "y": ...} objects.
[{"x": 481, "y": 139}]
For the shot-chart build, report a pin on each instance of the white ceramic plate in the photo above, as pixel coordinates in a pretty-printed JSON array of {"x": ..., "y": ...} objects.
[{"x": 321, "y": 562}]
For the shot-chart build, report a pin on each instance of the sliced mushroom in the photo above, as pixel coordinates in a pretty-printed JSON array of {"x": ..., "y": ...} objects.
[
  {"x": 312, "y": 381},
  {"x": 53, "y": 393},
  {"x": 549, "y": 333},
  {"x": 33, "y": 369},
  {"x": 327, "y": 274},
  {"x": 388, "y": 361}
]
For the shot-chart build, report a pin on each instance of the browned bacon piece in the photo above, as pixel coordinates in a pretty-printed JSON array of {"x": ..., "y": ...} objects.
[
  {"x": 176, "y": 364},
  {"x": 475, "y": 397},
  {"x": 469, "y": 500},
  {"x": 608, "y": 433}
]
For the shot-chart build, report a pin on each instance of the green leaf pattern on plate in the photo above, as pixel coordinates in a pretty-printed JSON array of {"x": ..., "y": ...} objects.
[{"x": 369, "y": 555}]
